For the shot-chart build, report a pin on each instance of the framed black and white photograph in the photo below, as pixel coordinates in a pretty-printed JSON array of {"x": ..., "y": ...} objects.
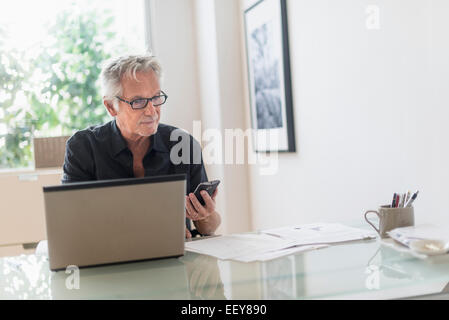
[{"x": 269, "y": 77}]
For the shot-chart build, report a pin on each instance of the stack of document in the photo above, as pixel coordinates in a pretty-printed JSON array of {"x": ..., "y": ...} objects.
[
  {"x": 321, "y": 233},
  {"x": 274, "y": 243}
]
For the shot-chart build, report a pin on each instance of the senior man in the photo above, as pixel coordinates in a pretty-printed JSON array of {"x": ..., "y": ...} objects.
[{"x": 135, "y": 144}]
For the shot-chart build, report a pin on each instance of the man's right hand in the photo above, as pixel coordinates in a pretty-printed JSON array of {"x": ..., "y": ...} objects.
[{"x": 188, "y": 234}]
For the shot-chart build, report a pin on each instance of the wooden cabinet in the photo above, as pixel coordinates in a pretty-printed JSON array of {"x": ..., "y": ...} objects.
[{"x": 22, "y": 215}]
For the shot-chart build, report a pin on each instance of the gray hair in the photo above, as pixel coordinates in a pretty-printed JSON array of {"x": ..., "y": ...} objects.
[{"x": 115, "y": 69}]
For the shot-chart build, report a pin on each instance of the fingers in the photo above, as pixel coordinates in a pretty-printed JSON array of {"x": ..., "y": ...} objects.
[
  {"x": 195, "y": 202},
  {"x": 210, "y": 203},
  {"x": 188, "y": 216},
  {"x": 190, "y": 210},
  {"x": 202, "y": 213},
  {"x": 214, "y": 195},
  {"x": 188, "y": 234},
  {"x": 195, "y": 211}
]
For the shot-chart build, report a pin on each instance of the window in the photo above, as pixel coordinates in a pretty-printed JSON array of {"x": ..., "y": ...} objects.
[{"x": 51, "y": 54}]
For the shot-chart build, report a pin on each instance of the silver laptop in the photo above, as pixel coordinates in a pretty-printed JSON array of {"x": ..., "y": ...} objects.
[{"x": 112, "y": 221}]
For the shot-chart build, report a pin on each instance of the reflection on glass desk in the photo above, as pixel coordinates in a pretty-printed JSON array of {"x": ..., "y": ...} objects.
[{"x": 360, "y": 270}]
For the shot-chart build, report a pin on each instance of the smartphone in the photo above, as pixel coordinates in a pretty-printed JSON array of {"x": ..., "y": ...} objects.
[{"x": 208, "y": 186}]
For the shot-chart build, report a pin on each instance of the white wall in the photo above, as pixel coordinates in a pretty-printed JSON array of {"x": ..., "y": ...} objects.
[
  {"x": 209, "y": 87},
  {"x": 369, "y": 105},
  {"x": 174, "y": 44},
  {"x": 195, "y": 41},
  {"x": 221, "y": 90},
  {"x": 370, "y": 111}
]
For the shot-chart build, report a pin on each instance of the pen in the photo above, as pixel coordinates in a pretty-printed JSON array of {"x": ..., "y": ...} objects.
[
  {"x": 407, "y": 197},
  {"x": 409, "y": 203},
  {"x": 393, "y": 203},
  {"x": 401, "y": 200}
]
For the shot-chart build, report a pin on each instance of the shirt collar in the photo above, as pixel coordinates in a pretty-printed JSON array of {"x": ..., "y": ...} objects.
[
  {"x": 157, "y": 143},
  {"x": 119, "y": 143}
]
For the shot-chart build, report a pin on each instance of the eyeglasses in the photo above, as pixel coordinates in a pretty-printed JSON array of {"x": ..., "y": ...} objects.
[{"x": 142, "y": 102}]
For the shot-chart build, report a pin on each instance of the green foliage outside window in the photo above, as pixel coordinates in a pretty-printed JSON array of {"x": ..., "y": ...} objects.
[
  {"x": 13, "y": 151},
  {"x": 59, "y": 88}
]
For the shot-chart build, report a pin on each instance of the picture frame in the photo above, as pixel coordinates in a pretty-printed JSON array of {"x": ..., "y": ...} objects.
[{"x": 269, "y": 77}]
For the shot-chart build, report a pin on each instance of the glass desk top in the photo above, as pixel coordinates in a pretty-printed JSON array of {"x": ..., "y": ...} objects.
[{"x": 357, "y": 270}]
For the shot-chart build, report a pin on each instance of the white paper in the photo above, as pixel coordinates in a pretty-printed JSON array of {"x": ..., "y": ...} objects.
[
  {"x": 270, "y": 255},
  {"x": 237, "y": 245},
  {"x": 274, "y": 243},
  {"x": 320, "y": 233}
]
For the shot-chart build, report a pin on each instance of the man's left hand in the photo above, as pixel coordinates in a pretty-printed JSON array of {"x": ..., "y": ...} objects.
[{"x": 197, "y": 212}]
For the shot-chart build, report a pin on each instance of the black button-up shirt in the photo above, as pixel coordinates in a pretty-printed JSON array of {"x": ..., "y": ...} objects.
[{"x": 101, "y": 153}]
